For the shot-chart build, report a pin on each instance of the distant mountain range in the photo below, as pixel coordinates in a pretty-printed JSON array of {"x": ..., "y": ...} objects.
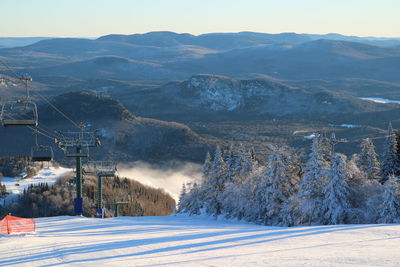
[
  {"x": 167, "y": 55},
  {"x": 216, "y": 83},
  {"x": 7, "y": 42}
]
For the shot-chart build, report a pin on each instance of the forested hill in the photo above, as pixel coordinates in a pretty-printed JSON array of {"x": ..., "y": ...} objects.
[
  {"x": 124, "y": 136},
  {"x": 43, "y": 200}
]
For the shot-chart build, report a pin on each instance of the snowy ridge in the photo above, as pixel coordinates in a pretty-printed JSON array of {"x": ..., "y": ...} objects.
[
  {"x": 194, "y": 241},
  {"x": 220, "y": 93},
  {"x": 223, "y": 93}
]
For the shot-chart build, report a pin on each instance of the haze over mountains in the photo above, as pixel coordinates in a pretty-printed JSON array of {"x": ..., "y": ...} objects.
[
  {"x": 229, "y": 78},
  {"x": 167, "y": 55}
]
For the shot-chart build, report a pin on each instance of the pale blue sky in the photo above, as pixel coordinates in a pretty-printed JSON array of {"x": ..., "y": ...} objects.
[{"x": 92, "y": 18}]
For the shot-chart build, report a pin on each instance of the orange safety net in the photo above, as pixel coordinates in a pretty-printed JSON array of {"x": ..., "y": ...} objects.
[{"x": 11, "y": 224}]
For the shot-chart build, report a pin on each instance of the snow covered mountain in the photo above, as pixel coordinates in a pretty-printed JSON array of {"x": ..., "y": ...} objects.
[{"x": 206, "y": 93}]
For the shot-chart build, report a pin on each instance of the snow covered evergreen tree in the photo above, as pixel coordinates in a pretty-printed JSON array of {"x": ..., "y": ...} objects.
[
  {"x": 216, "y": 185},
  {"x": 311, "y": 193},
  {"x": 390, "y": 208},
  {"x": 249, "y": 163},
  {"x": 230, "y": 164},
  {"x": 276, "y": 186},
  {"x": 367, "y": 159},
  {"x": 207, "y": 166},
  {"x": 238, "y": 186},
  {"x": 183, "y": 201},
  {"x": 390, "y": 159},
  {"x": 239, "y": 165},
  {"x": 336, "y": 191},
  {"x": 325, "y": 146},
  {"x": 194, "y": 200}
]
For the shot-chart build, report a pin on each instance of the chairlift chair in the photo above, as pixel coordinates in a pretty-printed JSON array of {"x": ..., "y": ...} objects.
[
  {"x": 42, "y": 153},
  {"x": 19, "y": 113}
]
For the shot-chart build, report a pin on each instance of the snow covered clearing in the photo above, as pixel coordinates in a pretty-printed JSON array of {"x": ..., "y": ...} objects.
[
  {"x": 197, "y": 241},
  {"x": 45, "y": 175},
  {"x": 345, "y": 125}
]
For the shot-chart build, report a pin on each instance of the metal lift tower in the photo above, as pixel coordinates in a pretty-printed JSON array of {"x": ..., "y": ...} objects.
[
  {"x": 76, "y": 145},
  {"x": 102, "y": 169}
]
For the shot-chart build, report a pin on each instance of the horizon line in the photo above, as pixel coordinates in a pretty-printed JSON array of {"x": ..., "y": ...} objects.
[{"x": 142, "y": 33}]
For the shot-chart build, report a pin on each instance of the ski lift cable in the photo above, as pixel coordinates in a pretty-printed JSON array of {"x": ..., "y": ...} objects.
[
  {"x": 56, "y": 109},
  {"x": 10, "y": 69},
  {"x": 39, "y": 132},
  {"x": 35, "y": 129},
  {"x": 40, "y": 95},
  {"x": 49, "y": 132}
]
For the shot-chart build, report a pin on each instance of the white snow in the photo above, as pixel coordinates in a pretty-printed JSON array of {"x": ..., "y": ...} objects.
[
  {"x": 309, "y": 137},
  {"x": 197, "y": 241},
  {"x": 46, "y": 175},
  {"x": 345, "y": 125},
  {"x": 380, "y": 100}
]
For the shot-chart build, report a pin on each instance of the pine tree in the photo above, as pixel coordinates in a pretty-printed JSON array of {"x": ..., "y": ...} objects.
[
  {"x": 390, "y": 160},
  {"x": 207, "y": 166},
  {"x": 336, "y": 202},
  {"x": 216, "y": 185},
  {"x": 249, "y": 163},
  {"x": 230, "y": 164},
  {"x": 239, "y": 164},
  {"x": 194, "y": 200},
  {"x": 367, "y": 159},
  {"x": 325, "y": 146},
  {"x": 311, "y": 186},
  {"x": 390, "y": 208},
  {"x": 183, "y": 202},
  {"x": 275, "y": 188}
]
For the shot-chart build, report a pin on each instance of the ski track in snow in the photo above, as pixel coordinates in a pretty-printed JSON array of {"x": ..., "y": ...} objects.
[{"x": 197, "y": 241}]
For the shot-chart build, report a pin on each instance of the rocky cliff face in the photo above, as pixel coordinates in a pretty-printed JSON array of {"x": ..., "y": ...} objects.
[{"x": 218, "y": 93}]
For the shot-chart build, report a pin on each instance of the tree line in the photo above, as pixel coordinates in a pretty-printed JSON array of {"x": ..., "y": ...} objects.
[
  {"x": 43, "y": 200},
  {"x": 328, "y": 188}
]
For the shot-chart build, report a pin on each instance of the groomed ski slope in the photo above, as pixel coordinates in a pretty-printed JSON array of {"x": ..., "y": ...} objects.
[{"x": 197, "y": 241}]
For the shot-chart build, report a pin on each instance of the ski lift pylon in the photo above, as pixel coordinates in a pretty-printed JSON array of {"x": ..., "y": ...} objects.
[
  {"x": 101, "y": 168},
  {"x": 77, "y": 144}
]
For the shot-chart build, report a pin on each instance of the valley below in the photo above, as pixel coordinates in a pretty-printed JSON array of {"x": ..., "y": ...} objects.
[{"x": 286, "y": 88}]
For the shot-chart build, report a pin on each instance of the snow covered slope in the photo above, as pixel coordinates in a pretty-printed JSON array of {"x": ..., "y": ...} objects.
[
  {"x": 197, "y": 241},
  {"x": 45, "y": 175}
]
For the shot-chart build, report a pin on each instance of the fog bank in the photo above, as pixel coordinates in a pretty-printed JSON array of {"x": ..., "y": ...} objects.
[{"x": 169, "y": 177}]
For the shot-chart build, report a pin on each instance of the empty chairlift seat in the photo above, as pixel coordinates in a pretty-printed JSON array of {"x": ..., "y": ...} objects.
[
  {"x": 19, "y": 113},
  {"x": 42, "y": 153}
]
